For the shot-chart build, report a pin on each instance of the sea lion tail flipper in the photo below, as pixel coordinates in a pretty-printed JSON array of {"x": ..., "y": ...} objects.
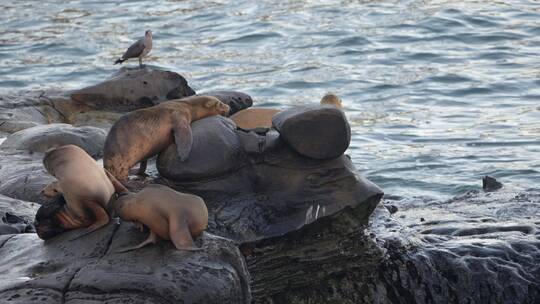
[
  {"x": 180, "y": 234},
  {"x": 151, "y": 239},
  {"x": 118, "y": 186},
  {"x": 183, "y": 138},
  {"x": 102, "y": 219}
]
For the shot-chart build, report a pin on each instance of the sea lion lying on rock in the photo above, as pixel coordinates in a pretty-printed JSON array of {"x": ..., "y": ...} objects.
[
  {"x": 169, "y": 214},
  {"x": 86, "y": 191},
  {"x": 262, "y": 117},
  {"x": 144, "y": 133}
]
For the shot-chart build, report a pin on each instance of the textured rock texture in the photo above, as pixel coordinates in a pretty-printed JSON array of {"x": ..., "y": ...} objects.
[{"x": 88, "y": 270}]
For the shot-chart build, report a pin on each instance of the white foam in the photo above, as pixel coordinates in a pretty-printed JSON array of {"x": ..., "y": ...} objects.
[{"x": 2, "y": 139}]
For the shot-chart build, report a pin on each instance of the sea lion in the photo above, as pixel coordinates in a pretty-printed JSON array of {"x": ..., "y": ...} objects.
[
  {"x": 144, "y": 133},
  {"x": 252, "y": 118},
  {"x": 168, "y": 214},
  {"x": 86, "y": 191}
]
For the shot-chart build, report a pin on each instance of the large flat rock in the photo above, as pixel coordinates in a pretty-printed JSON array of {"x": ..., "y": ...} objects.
[{"x": 88, "y": 270}]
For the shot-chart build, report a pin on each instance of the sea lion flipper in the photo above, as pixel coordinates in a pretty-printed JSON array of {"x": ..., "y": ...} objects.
[
  {"x": 183, "y": 138},
  {"x": 151, "y": 239},
  {"x": 180, "y": 235},
  {"x": 102, "y": 219},
  {"x": 118, "y": 186}
]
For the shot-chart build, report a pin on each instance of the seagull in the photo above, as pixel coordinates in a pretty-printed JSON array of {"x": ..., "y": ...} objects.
[{"x": 139, "y": 49}]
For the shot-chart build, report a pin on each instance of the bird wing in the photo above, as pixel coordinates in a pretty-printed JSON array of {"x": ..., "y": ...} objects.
[{"x": 135, "y": 50}]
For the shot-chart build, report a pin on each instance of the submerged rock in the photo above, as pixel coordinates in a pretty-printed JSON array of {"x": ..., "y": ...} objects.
[
  {"x": 490, "y": 184},
  {"x": 88, "y": 270},
  {"x": 42, "y": 138}
]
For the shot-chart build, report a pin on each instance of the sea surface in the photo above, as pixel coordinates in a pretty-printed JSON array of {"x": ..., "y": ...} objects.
[{"x": 438, "y": 93}]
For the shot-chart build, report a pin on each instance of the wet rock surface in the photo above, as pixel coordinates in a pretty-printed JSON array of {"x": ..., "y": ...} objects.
[
  {"x": 88, "y": 270},
  {"x": 41, "y": 138},
  {"x": 476, "y": 248}
]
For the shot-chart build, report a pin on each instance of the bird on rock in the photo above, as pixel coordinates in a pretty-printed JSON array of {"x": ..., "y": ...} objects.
[{"x": 139, "y": 49}]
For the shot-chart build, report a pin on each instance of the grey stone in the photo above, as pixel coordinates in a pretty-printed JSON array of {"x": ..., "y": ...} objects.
[
  {"x": 131, "y": 89},
  {"x": 320, "y": 132},
  {"x": 88, "y": 270},
  {"x": 22, "y": 175},
  {"x": 42, "y": 138}
]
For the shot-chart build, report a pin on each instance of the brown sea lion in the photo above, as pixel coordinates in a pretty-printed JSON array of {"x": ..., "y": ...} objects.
[
  {"x": 144, "y": 133},
  {"x": 168, "y": 214},
  {"x": 86, "y": 191},
  {"x": 252, "y": 118}
]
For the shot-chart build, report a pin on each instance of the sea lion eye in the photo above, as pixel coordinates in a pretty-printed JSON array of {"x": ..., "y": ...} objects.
[{"x": 211, "y": 103}]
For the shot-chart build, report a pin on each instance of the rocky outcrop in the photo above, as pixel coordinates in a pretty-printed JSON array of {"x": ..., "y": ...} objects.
[
  {"x": 257, "y": 187},
  {"x": 88, "y": 270},
  {"x": 134, "y": 88},
  {"x": 476, "y": 248},
  {"x": 42, "y": 138}
]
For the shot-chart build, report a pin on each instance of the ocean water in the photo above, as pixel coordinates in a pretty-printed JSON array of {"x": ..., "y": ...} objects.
[{"x": 438, "y": 93}]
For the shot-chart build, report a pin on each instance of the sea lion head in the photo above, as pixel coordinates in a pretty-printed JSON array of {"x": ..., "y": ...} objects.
[
  {"x": 148, "y": 33},
  {"x": 331, "y": 99},
  {"x": 47, "y": 222},
  {"x": 218, "y": 107},
  {"x": 204, "y": 106}
]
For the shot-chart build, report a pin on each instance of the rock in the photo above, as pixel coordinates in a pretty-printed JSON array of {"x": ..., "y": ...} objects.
[
  {"x": 236, "y": 100},
  {"x": 216, "y": 151},
  {"x": 320, "y": 132},
  {"x": 16, "y": 216},
  {"x": 132, "y": 89},
  {"x": 490, "y": 184},
  {"x": 392, "y": 208},
  {"x": 42, "y": 138},
  {"x": 26, "y": 110},
  {"x": 256, "y": 186},
  {"x": 22, "y": 176},
  {"x": 88, "y": 270}
]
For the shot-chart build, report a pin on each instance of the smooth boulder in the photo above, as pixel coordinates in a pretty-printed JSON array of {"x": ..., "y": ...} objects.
[
  {"x": 41, "y": 138},
  {"x": 22, "y": 175},
  {"x": 236, "y": 100},
  {"x": 134, "y": 88},
  {"x": 320, "y": 132}
]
